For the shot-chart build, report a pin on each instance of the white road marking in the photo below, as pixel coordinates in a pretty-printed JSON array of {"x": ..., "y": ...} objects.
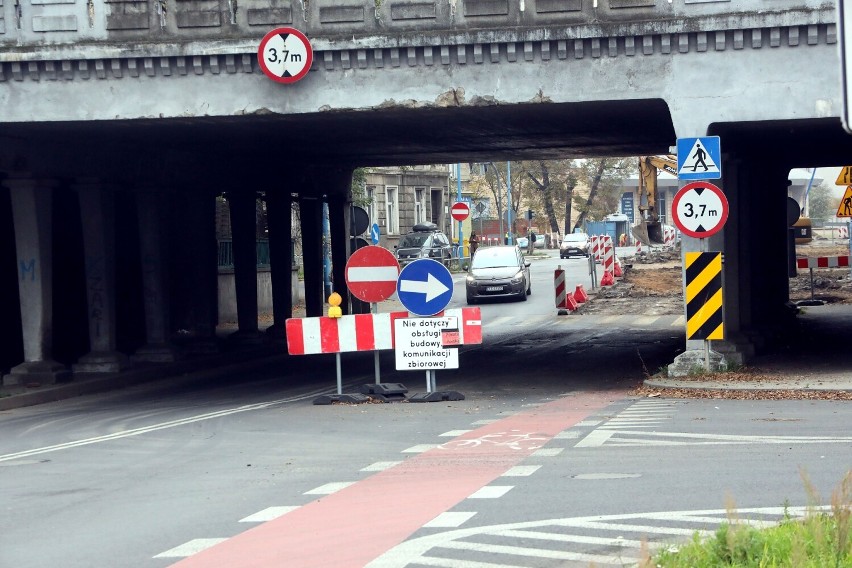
[
  {"x": 449, "y": 520},
  {"x": 586, "y": 423},
  {"x": 680, "y": 321},
  {"x": 484, "y": 422},
  {"x": 567, "y": 435},
  {"x": 267, "y": 514},
  {"x": 609, "y": 437},
  {"x": 491, "y": 492},
  {"x": 533, "y": 552},
  {"x": 380, "y": 466},
  {"x": 644, "y": 320},
  {"x": 330, "y": 488},
  {"x": 454, "y": 433},
  {"x": 415, "y": 551},
  {"x": 159, "y": 426},
  {"x": 187, "y": 549},
  {"x": 548, "y": 452},
  {"x": 521, "y": 471},
  {"x": 420, "y": 448}
]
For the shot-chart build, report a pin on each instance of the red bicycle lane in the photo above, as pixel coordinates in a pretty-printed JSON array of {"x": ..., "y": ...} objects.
[{"x": 359, "y": 523}]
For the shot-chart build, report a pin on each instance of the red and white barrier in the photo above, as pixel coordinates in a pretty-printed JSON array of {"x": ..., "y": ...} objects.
[
  {"x": 822, "y": 262},
  {"x": 608, "y": 261},
  {"x": 669, "y": 235},
  {"x": 638, "y": 246},
  {"x": 559, "y": 287},
  {"x": 365, "y": 332}
]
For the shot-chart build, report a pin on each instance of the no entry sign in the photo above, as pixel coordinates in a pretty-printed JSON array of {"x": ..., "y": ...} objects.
[
  {"x": 285, "y": 55},
  {"x": 460, "y": 211},
  {"x": 371, "y": 274}
]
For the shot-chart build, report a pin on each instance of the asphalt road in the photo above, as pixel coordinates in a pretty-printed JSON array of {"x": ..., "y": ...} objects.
[{"x": 549, "y": 460}]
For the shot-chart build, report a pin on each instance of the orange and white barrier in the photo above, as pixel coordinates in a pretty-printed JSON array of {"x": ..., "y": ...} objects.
[
  {"x": 365, "y": 332},
  {"x": 559, "y": 286}
]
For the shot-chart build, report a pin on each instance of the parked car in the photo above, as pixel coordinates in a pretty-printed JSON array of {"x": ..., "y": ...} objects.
[
  {"x": 498, "y": 272},
  {"x": 523, "y": 242},
  {"x": 424, "y": 241},
  {"x": 574, "y": 243}
]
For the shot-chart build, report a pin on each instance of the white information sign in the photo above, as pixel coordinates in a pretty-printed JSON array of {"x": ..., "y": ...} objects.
[{"x": 423, "y": 344}]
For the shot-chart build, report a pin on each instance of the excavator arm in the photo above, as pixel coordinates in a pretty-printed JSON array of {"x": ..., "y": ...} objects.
[{"x": 648, "y": 230}]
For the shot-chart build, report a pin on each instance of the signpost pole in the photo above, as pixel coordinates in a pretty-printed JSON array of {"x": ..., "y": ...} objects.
[
  {"x": 374, "y": 308},
  {"x": 339, "y": 374},
  {"x": 458, "y": 199}
]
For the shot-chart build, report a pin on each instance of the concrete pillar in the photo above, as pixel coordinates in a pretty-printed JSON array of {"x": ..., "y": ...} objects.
[
  {"x": 157, "y": 349},
  {"x": 338, "y": 216},
  {"x": 281, "y": 263},
  {"x": 200, "y": 267},
  {"x": 244, "y": 237},
  {"x": 31, "y": 211},
  {"x": 310, "y": 213},
  {"x": 98, "y": 213}
]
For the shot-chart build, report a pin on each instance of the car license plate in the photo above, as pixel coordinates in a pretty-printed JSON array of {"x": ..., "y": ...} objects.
[{"x": 493, "y": 288}]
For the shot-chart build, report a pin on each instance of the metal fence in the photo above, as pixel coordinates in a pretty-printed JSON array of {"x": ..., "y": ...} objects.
[{"x": 226, "y": 254}]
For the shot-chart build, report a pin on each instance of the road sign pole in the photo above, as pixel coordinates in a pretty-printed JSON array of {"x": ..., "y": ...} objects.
[
  {"x": 458, "y": 199},
  {"x": 339, "y": 373}
]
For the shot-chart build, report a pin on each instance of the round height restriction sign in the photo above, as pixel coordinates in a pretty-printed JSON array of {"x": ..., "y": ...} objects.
[
  {"x": 285, "y": 55},
  {"x": 699, "y": 209}
]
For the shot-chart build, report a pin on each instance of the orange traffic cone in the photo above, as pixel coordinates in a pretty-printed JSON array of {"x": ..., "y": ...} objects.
[
  {"x": 580, "y": 295},
  {"x": 617, "y": 269},
  {"x": 570, "y": 302}
]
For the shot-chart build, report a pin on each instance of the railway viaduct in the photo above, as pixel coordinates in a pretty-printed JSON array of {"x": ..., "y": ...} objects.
[{"x": 120, "y": 120}]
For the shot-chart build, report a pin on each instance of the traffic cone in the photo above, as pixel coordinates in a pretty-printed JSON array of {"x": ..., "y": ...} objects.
[
  {"x": 617, "y": 269},
  {"x": 580, "y": 295},
  {"x": 607, "y": 279},
  {"x": 570, "y": 302}
]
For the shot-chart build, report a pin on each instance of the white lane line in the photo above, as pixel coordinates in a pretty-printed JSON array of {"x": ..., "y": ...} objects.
[
  {"x": 594, "y": 439},
  {"x": 644, "y": 320},
  {"x": 484, "y": 422},
  {"x": 521, "y": 471},
  {"x": 449, "y": 520},
  {"x": 641, "y": 529},
  {"x": 157, "y": 427},
  {"x": 267, "y": 514},
  {"x": 194, "y": 546},
  {"x": 680, "y": 321},
  {"x": 456, "y": 563},
  {"x": 491, "y": 492},
  {"x": 380, "y": 466},
  {"x": 583, "y": 423},
  {"x": 533, "y": 552},
  {"x": 420, "y": 448},
  {"x": 548, "y": 452},
  {"x": 454, "y": 433},
  {"x": 567, "y": 435},
  {"x": 557, "y": 537},
  {"x": 330, "y": 488}
]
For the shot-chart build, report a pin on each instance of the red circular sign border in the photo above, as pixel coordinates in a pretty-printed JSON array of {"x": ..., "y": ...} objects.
[
  {"x": 360, "y": 295},
  {"x": 695, "y": 185},
  {"x": 270, "y": 74},
  {"x": 466, "y": 214}
]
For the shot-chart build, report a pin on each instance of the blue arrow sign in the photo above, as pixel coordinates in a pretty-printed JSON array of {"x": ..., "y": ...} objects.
[
  {"x": 425, "y": 287},
  {"x": 374, "y": 234},
  {"x": 699, "y": 158}
]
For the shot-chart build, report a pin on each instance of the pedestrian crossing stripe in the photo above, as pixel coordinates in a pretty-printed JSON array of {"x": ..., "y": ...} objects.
[{"x": 704, "y": 295}]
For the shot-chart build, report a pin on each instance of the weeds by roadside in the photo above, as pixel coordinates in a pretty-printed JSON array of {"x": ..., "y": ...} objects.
[{"x": 822, "y": 539}]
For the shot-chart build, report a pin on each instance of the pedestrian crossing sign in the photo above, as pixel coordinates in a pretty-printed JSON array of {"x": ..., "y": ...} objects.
[
  {"x": 699, "y": 158},
  {"x": 844, "y": 209}
]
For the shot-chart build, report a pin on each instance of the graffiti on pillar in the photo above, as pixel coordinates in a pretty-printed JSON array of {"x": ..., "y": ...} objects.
[
  {"x": 28, "y": 268},
  {"x": 95, "y": 282}
]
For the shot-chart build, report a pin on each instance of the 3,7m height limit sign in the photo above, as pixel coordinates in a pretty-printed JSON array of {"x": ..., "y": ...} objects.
[{"x": 285, "y": 55}]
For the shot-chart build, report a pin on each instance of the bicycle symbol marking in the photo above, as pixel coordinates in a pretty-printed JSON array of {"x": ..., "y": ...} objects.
[{"x": 513, "y": 439}]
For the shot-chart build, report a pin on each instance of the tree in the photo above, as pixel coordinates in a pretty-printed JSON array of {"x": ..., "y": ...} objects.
[
  {"x": 603, "y": 177},
  {"x": 822, "y": 204}
]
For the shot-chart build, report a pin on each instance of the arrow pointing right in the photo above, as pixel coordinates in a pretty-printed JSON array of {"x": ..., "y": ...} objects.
[{"x": 432, "y": 287}]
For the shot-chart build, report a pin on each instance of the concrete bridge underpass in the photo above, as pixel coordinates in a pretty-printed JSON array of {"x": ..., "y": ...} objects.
[{"x": 120, "y": 122}]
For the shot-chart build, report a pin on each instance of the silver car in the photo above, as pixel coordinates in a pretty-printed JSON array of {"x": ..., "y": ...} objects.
[{"x": 498, "y": 272}]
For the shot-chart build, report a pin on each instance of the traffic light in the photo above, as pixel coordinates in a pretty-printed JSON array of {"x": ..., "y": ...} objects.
[{"x": 530, "y": 214}]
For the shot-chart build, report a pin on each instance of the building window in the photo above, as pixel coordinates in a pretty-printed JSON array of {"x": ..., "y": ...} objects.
[
  {"x": 661, "y": 207},
  {"x": 419, "y": 205},
  {"x": 392, "y": 210},
  {"x": 371, "y": 203}
]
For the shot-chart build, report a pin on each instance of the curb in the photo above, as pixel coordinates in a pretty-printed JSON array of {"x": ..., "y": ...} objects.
[{"x": 845, "y": 386}]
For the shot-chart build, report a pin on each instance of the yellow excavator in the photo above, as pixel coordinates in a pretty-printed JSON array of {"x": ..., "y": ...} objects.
[{"x": 648, "y": 230}]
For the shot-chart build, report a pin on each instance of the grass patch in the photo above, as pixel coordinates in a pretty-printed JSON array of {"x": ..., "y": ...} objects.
[{"x": 819, "y": 540}]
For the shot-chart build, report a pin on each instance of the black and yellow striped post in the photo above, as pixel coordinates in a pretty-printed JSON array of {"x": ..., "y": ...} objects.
[{"x": 704, "y": 296}]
